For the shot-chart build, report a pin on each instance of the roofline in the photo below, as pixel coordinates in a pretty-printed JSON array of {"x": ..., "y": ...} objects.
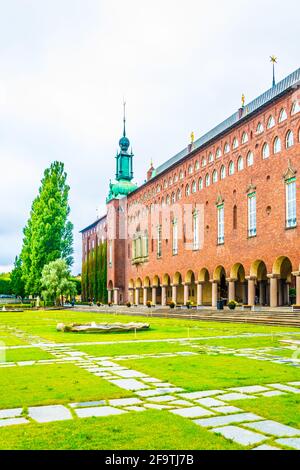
[
  {"x": 252, "y": 108},
  {"x": 93, "y": 224}
]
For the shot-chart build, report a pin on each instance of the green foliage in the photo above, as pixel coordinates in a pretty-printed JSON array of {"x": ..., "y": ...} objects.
[
  {"x": 48, "y": 233},
  {"x": 56, "y": 281},
  {"x": 94, "y": 274},
  {"x": 5, "y": 284},
  {"x": 17, "y": 283},
  {"x": 77, "y": 282}
]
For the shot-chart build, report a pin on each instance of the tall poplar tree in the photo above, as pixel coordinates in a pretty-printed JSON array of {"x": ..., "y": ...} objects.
[{"x": 48, "y": 234}]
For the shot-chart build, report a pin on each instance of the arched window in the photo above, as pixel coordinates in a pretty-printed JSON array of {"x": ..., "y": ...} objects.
[
  {"x": 175, "y": 178},
  {"x": 190, "y": 170},
  {"x": 260, "y": 128},
  {"x": 282, "y": 115},
  {"x": 173, "y": 198},
  {"x": 244, "y": 137},
  {"x": 226, "y": 148},
  {"x": 200, "y": 183},
  {"x": 165, "y": 184},
  {"x": 235, "y": 143},
  {"x": 210, "y": 158},
  {"x": 187, "y": 190},
  {"x": 231, "y": 168},
  {"x": 168, "y": 200},
  {"x": 234, "y": 221},
  {"x": 218, "y": 152},
  {"x": 250, "y": 159},
  {"x": 181, "y": 175},
  {"x": 194, "y": 187},
  {"x": 289, "y": 139},
  {"x": 295, "y": 107},
  {"x": 197, "y": 165},
  {"x": 240, "y": 164},
  {"x": 170, "y": 181},
  {"x": 266, "y": 150},
  {"x": 178, "y": 194},
  {"x": 215, "y": 176},
  {"x": 203, "y": 162},
  {"x": 222, "y": 172},
  {"x": 277, "y": 145},
  {"x": 271, "y": 122},
  {"x": 207, "y": 180}
]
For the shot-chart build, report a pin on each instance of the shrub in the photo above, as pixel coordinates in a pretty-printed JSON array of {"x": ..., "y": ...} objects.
[
  {"x": 149, "y": 304},
  {"x": 128, "y": 304},
  {"x": 172, "y": 304},
  {"x": 232, "y": 304}
]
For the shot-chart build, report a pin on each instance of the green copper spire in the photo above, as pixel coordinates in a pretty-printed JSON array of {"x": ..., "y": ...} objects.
[{"x": 124, "y": 168}]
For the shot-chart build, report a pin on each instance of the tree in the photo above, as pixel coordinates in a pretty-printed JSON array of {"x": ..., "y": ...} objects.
[
  {"x": 56, "y": 281},
  {"x": 48, "y": 234},
  {"x": 5, "y": 284},
  {"x": 17, "y": 283}
]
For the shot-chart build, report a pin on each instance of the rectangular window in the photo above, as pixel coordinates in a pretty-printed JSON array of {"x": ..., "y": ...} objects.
[
  {"x": 290, "y": 188},
  {"x": 252, "y": 215},
  {"x": 195, "y": 231},
  {"x": 159, "y": 241},
  {"x": 175, "y": 237},
  {"x": 221, "y": 224},
  {"x": 110, "y": 254},
  {"x": 146, "y": 245}
]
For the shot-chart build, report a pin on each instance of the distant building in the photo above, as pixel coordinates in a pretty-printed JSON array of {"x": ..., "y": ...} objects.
[{"x": 217, "y": 220}]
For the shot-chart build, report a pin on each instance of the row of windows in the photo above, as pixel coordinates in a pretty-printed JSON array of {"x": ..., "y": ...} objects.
[{"x": 235, "y": 144}]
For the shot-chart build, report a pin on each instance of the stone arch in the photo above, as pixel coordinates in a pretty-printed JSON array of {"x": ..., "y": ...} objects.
[
  {"x": 147, "y": 282},
  {"x": 147, "y": 296},
  {"x": 110, "y": 285},
  {"x": 238, "y": 272},
  {"x": 138, "y": 282},
  {"x": 219, "y": 276},
  {"x": 282, "y": 270},
  {"x": 156, "y": 281},
  {"x": 131, "y": 284},
  {"x": 237, "y": 275},
  {"x": 191, "y": 286},
  {"x": 258, "y": 269},
  {"x": 190, "y": 276},
  {"x": 177, "y": 279},
  {"x": 204, "y": 279},
  {"x": 156, "y": 284},
  {"x": 166, "y": 282}
]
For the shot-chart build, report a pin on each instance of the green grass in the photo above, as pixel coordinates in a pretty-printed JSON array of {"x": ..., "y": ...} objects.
[
  {"x": 9, "y": 339},
  {"x": 28, "y": 354},
  {"x": 52, "y": 383},
  {"x": 44, "y": 324},
  {"x": 206, "y": 372},
  {"x": 144, "y": 430}
]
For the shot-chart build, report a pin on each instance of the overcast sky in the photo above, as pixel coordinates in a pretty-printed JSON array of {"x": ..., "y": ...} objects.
[{"x": 65, "y": 66}]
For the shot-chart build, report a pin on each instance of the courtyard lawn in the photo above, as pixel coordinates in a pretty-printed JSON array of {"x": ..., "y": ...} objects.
[
  {"x": 26, "y": 354},
  {"x": 43, "y": 324},
  {"x": 9, "y": 339},
  {"x": 207, "y": 372},
  {"x": 145, "y": 430},
  {"x": 52, "y": 383}
]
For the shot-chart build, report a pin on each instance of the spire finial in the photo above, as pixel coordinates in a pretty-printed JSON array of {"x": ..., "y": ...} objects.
[
  {"x": 124, "y": 117},
  {"x": 243, "y": 100},
  {"x": 274, "y": 61}
]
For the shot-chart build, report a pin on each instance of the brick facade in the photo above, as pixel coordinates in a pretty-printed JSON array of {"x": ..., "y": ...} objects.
[{"x": 260, "y": 268}]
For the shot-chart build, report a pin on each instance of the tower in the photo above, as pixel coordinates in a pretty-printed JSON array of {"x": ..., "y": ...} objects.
[{"x": 124, "y": 168}]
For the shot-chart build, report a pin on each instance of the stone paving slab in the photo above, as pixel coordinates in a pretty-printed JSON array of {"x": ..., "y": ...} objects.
[
  {"x": 85, "y": 404},
  {"x": 297, "y": 384},
  {"x": 124, "y": 401},
  {"x": 205, "y": 393},
  {"x": 181, "y": 403},
  {"x": 162, "y": 398},
  {"x": 157, "y": 391},
  {"x": 227, "y": 409},
  {"x": 135, "y": 408},
  {"x": 12, "y": 421},
  {"x": 285, "y": 388},
  {"x": 274, "y": 428},
  {"x": 223, "y": 420},
  {"x": 46, "y": 414},
  {"x": 129, "y": 373},
  {"x": 192, "y": 412},
  {"x": 10, "y": 413},
  {"x": 150, "y": 379},
  {"x": 98, "y": 411},
  {"x": 250, "y": 389},
  {"x": 272, "y": 393},
  {"x": 157, "y": 406},
  {"x": 292, "y": 442},
  {"x": 210, "y": 402},
  {"x": 239, "y": 435},
  {"x": 129, "y": 384},
  {"x": 235, "y": 396}
]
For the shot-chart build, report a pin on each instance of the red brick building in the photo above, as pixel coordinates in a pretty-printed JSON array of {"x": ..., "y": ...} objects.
[{"x": 219, "y": 219}]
